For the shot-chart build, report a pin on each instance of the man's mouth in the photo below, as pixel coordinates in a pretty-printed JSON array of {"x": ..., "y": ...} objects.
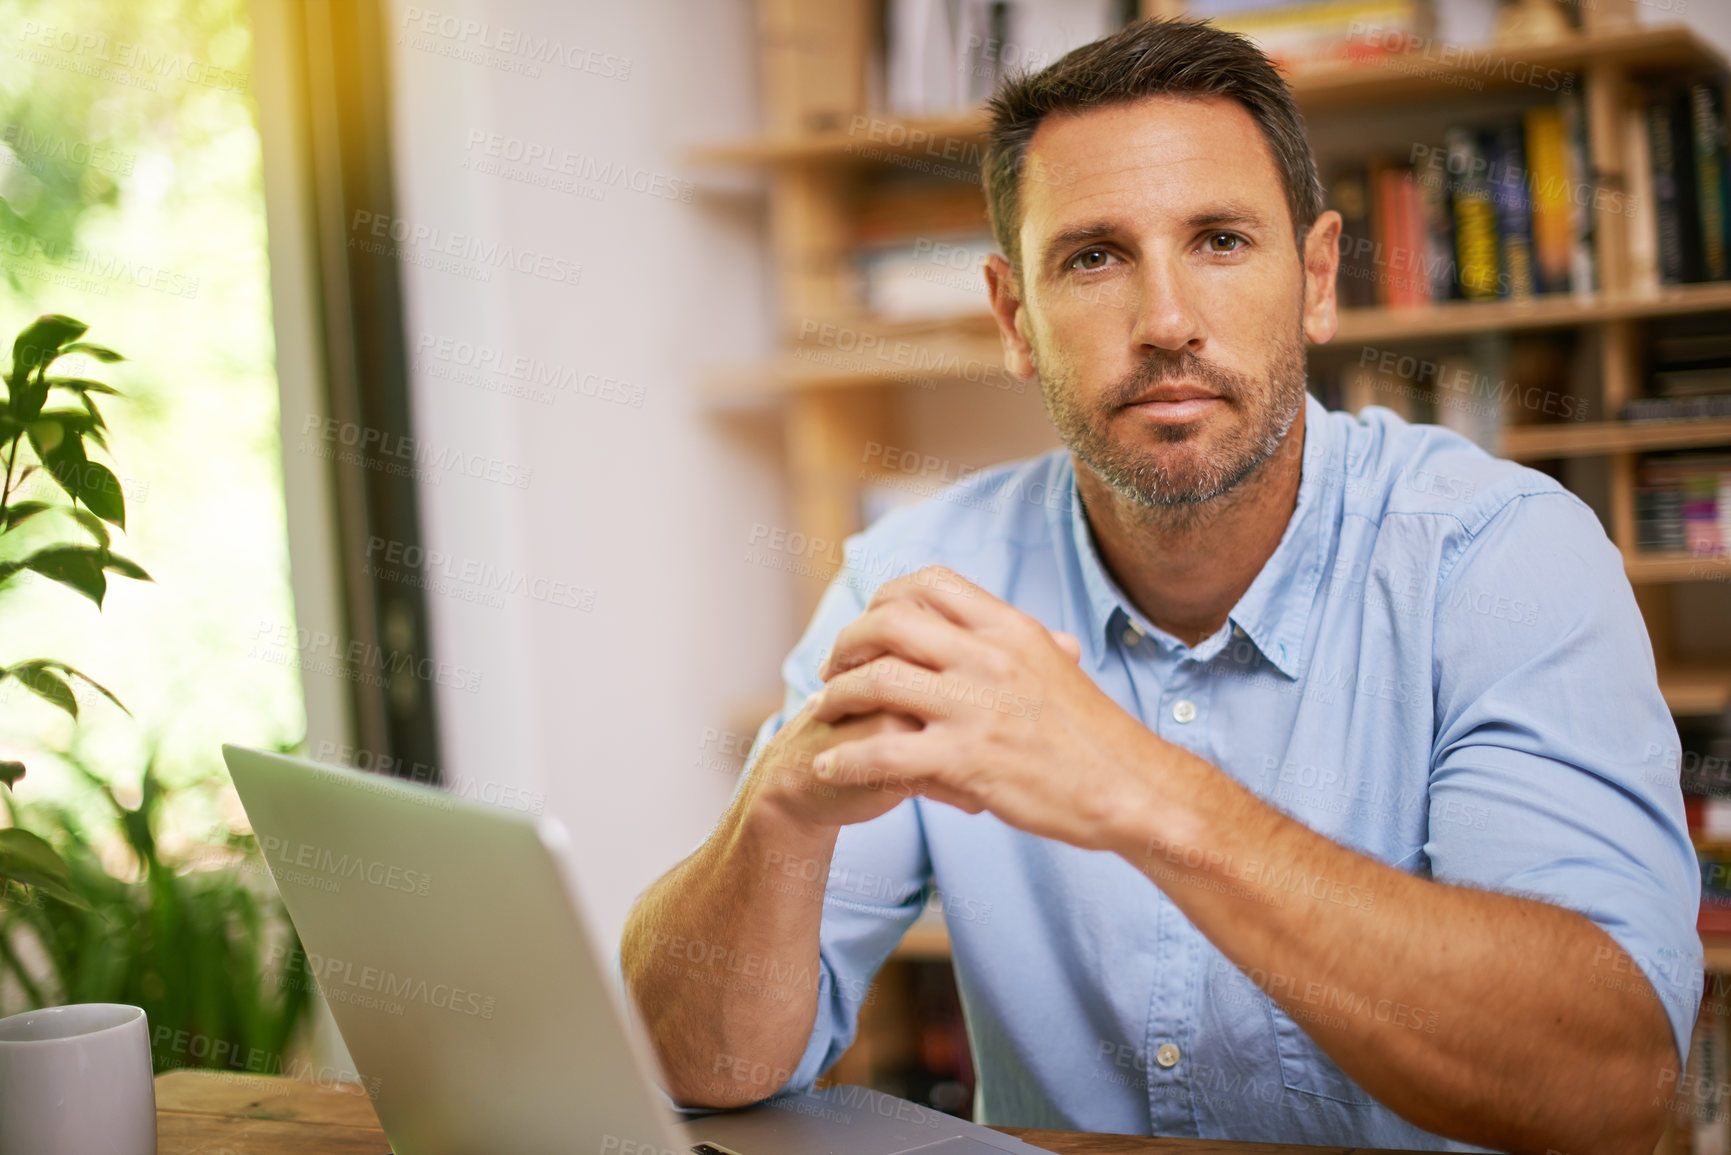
[{"x": 1177, "y": 402}]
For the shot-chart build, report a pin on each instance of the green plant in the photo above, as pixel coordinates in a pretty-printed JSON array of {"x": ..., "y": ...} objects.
[
  {"x": 55, "y": 435},
  {"x": 185, "y": 940},
  {"x": 182, "y": 939}
]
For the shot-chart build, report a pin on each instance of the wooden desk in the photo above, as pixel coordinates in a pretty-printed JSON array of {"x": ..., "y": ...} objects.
[{"x": 223, "y": 1113}]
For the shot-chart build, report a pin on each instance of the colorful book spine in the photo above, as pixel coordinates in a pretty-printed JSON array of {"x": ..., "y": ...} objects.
[
  {"x": 1475, "y": 219},
  {"x": 1583, "y": 260},
  {"x": 1707, "y": 136},
  {"x": 1508, "y": 181},
  {"x": 1400, "y": 240},
  {"x": 1548, "y": 172}
]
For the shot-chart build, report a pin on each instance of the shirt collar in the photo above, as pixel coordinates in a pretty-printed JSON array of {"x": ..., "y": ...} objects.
[{"x": 1274, "y": 611}]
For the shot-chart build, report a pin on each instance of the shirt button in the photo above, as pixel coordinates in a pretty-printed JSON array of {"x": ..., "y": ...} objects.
[
  {"x": 1183, "y": 710},
  {"x": 1168, "y": 1055},
  {"x": 1132, "y": 636}
]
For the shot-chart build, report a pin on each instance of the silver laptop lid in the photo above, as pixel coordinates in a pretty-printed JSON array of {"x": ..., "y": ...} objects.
[{"x": 449, "y": 941}]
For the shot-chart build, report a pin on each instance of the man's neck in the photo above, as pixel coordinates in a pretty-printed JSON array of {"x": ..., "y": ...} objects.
[{"x": 1185, "y": 567}]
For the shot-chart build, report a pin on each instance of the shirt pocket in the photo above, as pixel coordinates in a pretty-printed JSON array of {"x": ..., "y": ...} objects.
[{"x": 1303, "y": 1065}]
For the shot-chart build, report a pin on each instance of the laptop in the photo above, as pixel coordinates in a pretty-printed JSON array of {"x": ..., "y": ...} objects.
[{"x": 448, "y": 940}]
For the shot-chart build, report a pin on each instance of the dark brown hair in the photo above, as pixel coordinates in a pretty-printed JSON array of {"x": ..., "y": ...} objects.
[{"x": 1185, "y": 58}]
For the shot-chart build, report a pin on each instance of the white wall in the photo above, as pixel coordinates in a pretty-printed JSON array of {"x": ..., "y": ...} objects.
[{"x": 646, "y": 504}]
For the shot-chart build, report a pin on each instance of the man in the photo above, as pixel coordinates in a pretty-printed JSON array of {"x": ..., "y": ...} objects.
[{"x": 1286, "y": 776}]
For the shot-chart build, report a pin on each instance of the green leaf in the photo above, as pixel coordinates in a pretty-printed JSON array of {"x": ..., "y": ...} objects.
[
  {"x": 48, "y": 685},
  {"x": 24, "y": 511},
  {"x": 82, "y": 385},
  {"x": 101, "y": 352},
  {"x": 47, "y": 663},
  {"x": 91, "y": 522},
  {"x": 29, "y": 861},
  {"x": 46, "y": 435},
  {"x": 126, "y": 567},
  {"x": 99, "y": 489},
  {"x": 41, "y": 342},
  {"x": 77, "y": 566},
  {"x": 10, "y": 772}
]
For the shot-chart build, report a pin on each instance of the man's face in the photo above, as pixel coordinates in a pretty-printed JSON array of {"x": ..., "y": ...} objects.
[{"x": 1163, "y": 299}]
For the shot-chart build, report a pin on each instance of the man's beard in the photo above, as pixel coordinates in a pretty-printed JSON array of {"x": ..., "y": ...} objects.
[{"x": 1136, "y": 469}]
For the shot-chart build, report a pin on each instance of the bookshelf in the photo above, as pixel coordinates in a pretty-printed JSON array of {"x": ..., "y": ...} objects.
[{"x": 823, "y": 144}]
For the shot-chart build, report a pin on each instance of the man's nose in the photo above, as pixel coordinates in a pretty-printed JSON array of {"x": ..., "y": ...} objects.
[{"x": 1166, "y": 313}]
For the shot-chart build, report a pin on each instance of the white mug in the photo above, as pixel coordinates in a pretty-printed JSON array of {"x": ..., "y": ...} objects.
[{"x": 76, "y": 1080}]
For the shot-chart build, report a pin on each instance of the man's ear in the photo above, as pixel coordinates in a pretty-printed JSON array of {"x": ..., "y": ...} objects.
[
  {"x": 1006, "y": 302},
  {"x": 1321, "y": 272}
]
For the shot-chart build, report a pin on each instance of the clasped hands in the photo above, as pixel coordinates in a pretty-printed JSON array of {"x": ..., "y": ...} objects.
[{"x": 943, "y": 690}]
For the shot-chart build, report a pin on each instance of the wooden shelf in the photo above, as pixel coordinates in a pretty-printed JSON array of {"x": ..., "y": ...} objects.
[
  {"x": 918, "y": 353},
  {"x": 903, "y": 355},
  {"x": 1490, "y": 68},
  {"x": 1555, "y": 311},
  {"x": 1657, "y": 568},
  {"x": 958, "y": 140},
  {"x": 1592, "y": 438}
]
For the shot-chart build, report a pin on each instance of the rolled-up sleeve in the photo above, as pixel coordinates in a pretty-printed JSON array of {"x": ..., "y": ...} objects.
[
  {"x": 1554, "y": 764},
  {"x": 878, "y": 876}
]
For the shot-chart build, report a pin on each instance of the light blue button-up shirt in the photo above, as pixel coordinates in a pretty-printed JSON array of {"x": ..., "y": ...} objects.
[{"x": 1442, "y": 666}]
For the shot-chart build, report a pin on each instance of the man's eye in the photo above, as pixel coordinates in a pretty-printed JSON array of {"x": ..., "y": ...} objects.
[
  {"x": 1090, "y": 259},
  {"x": 1224, "y": 242}
]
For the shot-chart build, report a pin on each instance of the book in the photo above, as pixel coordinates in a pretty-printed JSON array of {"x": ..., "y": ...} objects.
[
  {"x": 925, "y": 279},
  {"x": 1674, "y": 188},
  {"x": 1400, "y": 275},
  {"x": 1438, "y": 222},
  {"x": 1548, "y": 179},
  {"x": 1643, "y": 226},
  {"x": 1304, "y": 36},
  {"x": 1356, "y": 280},
  {"x": 1683, "y": 503},
  {"x": 1707, "y": 140},
  {"x": 1507, "y": 178},
  {"x": 1477, "y": 258},
  {"x": 1583, "y": 259},
  {"x": 1677, "y": 408}
]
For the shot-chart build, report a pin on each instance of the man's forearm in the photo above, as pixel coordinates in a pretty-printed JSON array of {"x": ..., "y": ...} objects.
[
  {"x": 1473, "y": 1014},
  {"x": 722, "y": 961}
]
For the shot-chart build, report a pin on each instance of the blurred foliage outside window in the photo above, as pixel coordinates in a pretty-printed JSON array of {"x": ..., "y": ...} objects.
[{"x": 131, "y": 198}]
